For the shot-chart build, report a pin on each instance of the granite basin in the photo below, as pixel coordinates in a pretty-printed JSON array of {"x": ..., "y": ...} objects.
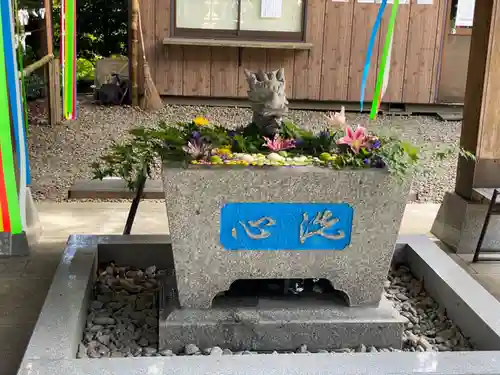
[{"x": 368, "y": 204}]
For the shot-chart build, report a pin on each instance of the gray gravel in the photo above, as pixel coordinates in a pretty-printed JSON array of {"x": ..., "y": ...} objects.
[
  {"x": 60, "y": 155},
  {"x": 123, "y": 318}
]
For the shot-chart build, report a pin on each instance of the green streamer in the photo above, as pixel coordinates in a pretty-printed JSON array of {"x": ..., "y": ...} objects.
[
  {"x": 6, "y": 147},
  {"x": 384, "y": 61},
  {"x": 69, "y": 58}
]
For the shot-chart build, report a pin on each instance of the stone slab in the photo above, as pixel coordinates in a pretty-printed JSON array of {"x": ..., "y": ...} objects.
[
  {"x": 283, "y": 325},
  {"x": 49, "y": 343},
  {"x": 195, "y": 196},
  {"x": 13, "y": 244},
  {"x": 467, "y": 303},
  {"x": 459, "y": 222},
  {"x": 450, "y": 363},
  {"x": 113, "y": 189}
]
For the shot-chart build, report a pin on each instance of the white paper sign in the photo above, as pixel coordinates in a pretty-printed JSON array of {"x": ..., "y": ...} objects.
[
  {"x": 392, "y": 2},
  {"x": 465, "y": 13},
  {"x": 424, "y": 2},
  {"x": 366, "y": 1},
  {"x": 271, "y": 8}
]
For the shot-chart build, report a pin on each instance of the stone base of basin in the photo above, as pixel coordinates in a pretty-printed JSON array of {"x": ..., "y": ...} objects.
[
  {"x": 53, "y": 345},
  {"x": 14, "y": 244},
  {"x": 283, "y": 325}
]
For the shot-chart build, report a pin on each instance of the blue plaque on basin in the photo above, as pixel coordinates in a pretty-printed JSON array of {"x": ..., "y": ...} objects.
[{"x": 285, "y": 226}]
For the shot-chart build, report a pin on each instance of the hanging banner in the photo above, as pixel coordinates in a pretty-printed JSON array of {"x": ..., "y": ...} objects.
[
  {"x": 68, "y": 57},
  {"x": 15, "y": 100},
  {"x": 9, "y": 203},
  {"x": 369, "y": 51},
  {"x": 385, "y": 64}
]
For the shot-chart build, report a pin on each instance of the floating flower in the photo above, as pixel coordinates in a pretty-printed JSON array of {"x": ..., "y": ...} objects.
[
  {"x": 337, "y": 119},
  {"x": 355, "y": 139},
  {"x": 279, "y": 144},
  {"x": 200, "y": 121},
  {"x": 275, "y": 157},
  {"x": 196, "y": 148},
  {"x": 375, "y": 144},
  {"x": 223, "y": 152}
]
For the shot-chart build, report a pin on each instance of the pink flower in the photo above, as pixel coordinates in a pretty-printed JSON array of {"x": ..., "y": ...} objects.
[
  {"x": 278, "y": 144},
  {"x": 355, "y": 139}
]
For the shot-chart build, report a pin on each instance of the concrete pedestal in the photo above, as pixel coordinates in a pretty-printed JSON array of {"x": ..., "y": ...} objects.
[
  {"x": 205, "y": 265},
  {"x": 459, "y": 222},
  {"x": 282, "y": 325}
]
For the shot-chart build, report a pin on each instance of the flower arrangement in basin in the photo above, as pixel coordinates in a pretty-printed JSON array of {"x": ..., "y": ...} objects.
[{"x": 198, "y": 142}]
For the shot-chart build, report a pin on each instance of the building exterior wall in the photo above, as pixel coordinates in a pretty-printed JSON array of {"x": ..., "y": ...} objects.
[{"x": 330, "y": 71}]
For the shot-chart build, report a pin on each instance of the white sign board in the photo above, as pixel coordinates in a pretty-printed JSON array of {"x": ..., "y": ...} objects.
[
  {"x": 424, "y": 2},
  {"x": 392, "y": 1},
  {"x": 465, "y": 13},
  {"x": 271, "y": 8}
]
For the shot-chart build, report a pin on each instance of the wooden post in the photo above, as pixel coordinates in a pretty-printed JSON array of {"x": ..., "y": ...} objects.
[
  {"x": 460, "y": 218},
  {"x": 481, "y": 120},
  {"x": 133, "y": 59}
]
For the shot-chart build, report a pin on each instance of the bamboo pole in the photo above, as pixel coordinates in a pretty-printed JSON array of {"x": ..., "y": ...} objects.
[
  {"x": 134, "y": 52},
  {"x": 36, "y": 65},
  {"x": 54, "y": 92}
]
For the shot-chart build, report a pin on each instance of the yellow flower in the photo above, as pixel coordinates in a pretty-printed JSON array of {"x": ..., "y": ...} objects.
[
  {"x": 200, "y": 121},
  {"x": 223, "y": 151}
]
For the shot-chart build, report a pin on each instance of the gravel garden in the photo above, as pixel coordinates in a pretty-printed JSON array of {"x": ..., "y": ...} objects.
[
  {"x": 60, "y": 155},
  {"x": 122, "y": 318}
]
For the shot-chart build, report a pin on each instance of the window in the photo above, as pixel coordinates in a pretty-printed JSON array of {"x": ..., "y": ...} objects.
[
  {"x": 461, "y": 16},
  {"x": 281, "y": 20}
]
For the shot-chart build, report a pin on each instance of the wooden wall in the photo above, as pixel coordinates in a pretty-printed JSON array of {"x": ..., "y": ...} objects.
[
  {"x": 331, "y": 70},
  {"x": 454, "y": 69}
]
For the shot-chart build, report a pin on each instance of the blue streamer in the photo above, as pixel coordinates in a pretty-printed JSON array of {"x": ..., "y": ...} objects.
[
  {"x": 371, "y": 45},
  {"x": 16, "y": 104}
]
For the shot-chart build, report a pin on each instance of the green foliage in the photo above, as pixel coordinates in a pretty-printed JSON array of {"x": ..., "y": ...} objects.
[
  {"x": 102, "y": 27},
  {"x": 200, "y": 143},
  {"x": 85, "y": 69}
]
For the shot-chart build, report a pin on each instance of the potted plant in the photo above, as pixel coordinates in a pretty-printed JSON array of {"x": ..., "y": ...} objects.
[{"x": 273, "y": 200}]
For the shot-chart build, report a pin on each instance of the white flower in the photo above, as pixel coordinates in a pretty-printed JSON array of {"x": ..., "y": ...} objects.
[
  {"x": 23, "y": 16},
  {"x": 273, "y": 156},
  {"x": 247, "y": 157},
  {"x": 337, "y": 119}
]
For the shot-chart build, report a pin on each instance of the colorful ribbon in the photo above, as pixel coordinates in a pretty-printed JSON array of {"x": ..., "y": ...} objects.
[
  {"x": 9, "y": 204},
  {"x": 68, "y": 57},
  {"x": 369, "y": 52},
  {"x": 16, "y": 102},
  {"x": 385, "y": 64}
]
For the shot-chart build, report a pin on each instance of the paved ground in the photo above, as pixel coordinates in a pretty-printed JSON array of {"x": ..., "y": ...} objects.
[{"x": 24, "y": 282}]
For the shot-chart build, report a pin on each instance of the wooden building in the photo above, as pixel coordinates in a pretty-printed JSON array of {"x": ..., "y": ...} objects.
[{"x": 200, "y": 48}]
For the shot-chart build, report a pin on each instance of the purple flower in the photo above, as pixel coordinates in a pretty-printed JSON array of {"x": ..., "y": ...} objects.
[
  {"x": 196, "y": 134},
  {"x": 378, "y": 163},
  {"x": 376, "y": 144},
  {"x": 325, "y": 134},
  {"x": 366, "y": 161}
]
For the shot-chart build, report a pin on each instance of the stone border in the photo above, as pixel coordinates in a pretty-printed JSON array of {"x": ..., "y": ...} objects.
[{"x": 52, "y": 348}]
